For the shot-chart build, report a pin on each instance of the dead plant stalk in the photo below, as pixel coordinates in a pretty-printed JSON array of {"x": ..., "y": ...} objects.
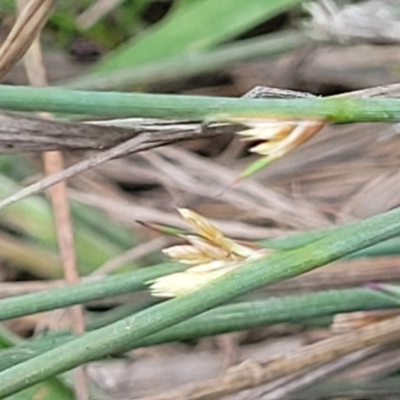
[{"x": 251, "y": 374}]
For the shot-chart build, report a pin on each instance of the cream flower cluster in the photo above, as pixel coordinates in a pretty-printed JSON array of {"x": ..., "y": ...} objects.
[
  {"x": 277, "y": 138},
  {"x": 210, "y": 253}
]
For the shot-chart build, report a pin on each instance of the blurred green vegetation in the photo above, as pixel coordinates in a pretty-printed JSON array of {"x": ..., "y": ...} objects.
[{"x": 29, "y": 225}]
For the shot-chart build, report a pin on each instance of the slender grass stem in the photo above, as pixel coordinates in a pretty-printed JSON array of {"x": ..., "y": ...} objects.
[
  {"x": 19, "y": 306},
  {"x": 270, "y": 269},
  {"x": 339, "y": 109},
  {"x": 228, "y": 318}
]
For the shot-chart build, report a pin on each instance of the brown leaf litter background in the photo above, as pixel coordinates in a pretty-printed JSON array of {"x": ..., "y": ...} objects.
[{"x": 343, "y": 174}]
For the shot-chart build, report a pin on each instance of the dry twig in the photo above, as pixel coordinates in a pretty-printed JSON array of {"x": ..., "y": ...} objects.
[
  {"x": 251, "y": 374},
  {"x": 53, "y": 163},
  {"x": 313, "y": 376},
  {"x": 26, "y": 28},
  {"x": 96, "y": 12}
]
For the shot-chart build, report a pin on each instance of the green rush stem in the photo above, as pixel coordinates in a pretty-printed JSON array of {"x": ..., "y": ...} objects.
[
  {"x": 224, "y": 319},
  {"x": 389, "y": 247},
  {"x": 32, "y": 303},
  {"x": 115, "y": 104},
  {"x": 18, "y": 306},
  {"x": 270, "y": 269}
]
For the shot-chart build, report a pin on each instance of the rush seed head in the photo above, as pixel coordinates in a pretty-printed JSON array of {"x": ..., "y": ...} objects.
[{"x": 210, "y": 253}]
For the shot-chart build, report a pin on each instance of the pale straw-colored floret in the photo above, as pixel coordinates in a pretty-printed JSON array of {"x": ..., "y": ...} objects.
[
  {"x": 277, "y": 137},
  {"x": 210, "y": 253},
  {"x": 280, "y": 136},
  {"x": 179, "y": 284}
]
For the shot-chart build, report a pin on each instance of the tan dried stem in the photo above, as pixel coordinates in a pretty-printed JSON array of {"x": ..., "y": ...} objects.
[
  {"x": 26, "y": 28},
  {"x": 53, "y": 163},
  {"x": 252, "y": 374},
  {"x": 96, "y": 12}
]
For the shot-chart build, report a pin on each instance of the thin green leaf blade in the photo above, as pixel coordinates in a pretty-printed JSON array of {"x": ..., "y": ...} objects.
[{"x": 195, "y": 26}]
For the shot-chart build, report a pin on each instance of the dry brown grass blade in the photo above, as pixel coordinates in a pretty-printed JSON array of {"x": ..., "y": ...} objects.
[
  {"x": 149, "y": 138},
  {"x": 21, "y": 133},
  {"x": 338, "y": 164},
  {"x": 343, "y": 274},
  {"x": 367, "y": 21},
  {"x": 143, "y": 141},
  {"x": 53, "y": 163},
  {"x": 133, "y": 254},
  {"x": 26, "y": 28},
  {"x": 251, "y": 374},
  {"x": 131, "y": 146},
  {"x": 183, "y": 178},
  {"x": 129, "y": 213},
  {"x": 96, "y": 12},
  {"x": 385, "y": 363},
  {"x": 377, "y": 193},
  {"x": 298, "y": 381},
  {"x": 346, "y": 322},
  {"x": 200, "y": 176}
]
